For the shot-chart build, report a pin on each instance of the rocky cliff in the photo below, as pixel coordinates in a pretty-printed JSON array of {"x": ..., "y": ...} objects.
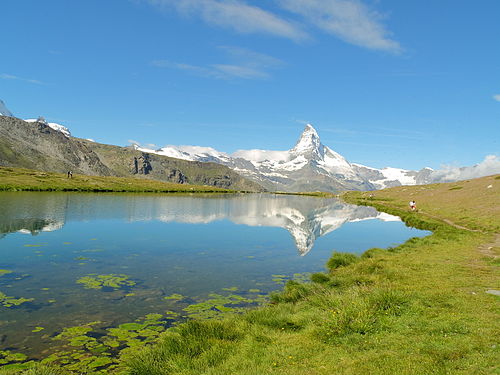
[{"x": 36, "y": 145}]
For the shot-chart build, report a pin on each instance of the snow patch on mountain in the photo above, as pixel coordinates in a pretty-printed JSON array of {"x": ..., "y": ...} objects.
[
  {"x": 396, "y": 174},
  {"x": 58, "y": 127}
]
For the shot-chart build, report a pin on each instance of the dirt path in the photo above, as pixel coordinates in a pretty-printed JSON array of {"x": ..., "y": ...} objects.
[
  {"x": 449, "y": 222},
  {"x": 491, "y": 250}
]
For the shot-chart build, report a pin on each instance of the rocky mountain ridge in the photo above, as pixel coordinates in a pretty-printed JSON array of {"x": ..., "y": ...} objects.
[{"x": 38, "y": 145}]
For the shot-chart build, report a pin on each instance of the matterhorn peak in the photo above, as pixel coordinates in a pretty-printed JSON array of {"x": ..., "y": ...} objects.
[
  {"x": 308, "y": 142},
  {"x": 4, "y": 111}
]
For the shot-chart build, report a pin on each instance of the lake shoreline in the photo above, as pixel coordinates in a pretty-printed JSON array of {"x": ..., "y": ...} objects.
[{"x": 410, "y": 309}]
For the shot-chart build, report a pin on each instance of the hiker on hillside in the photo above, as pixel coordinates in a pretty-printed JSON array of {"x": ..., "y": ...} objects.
[{"x": 413, "y": 205}]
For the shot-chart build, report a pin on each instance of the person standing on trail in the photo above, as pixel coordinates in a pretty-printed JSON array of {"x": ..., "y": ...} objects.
[{"x": 413, "y": 205}]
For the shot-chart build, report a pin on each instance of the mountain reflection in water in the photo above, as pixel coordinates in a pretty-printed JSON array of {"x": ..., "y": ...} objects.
[{"x": 305, "y": 218}]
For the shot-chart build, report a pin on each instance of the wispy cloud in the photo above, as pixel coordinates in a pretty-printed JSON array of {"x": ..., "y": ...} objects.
[
  {"x": 350, "y": 20},
  {"x": 16, "y": 78},
  {"x": 245, "y": 72},
  {"x": 243, "y": 64},
  {"x": 489, "y": 166},
  {"x": 497, "y": 97},
  {"x": 236, "y": 15}
]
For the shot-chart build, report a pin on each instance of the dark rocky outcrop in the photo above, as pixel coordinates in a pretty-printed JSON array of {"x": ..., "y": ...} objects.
[{"x": 141, "y": 164}]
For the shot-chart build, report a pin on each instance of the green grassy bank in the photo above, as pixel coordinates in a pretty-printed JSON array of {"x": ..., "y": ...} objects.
[
  {"x": 418, "y": 308},
  {"x": 19, "y": 179}
]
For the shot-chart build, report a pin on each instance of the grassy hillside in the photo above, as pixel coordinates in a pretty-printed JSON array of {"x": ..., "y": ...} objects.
[
  {"x": 474, "y": 204},
  {"x": 418, "y": 308},
  {"x": 39, "y": 147},
  {"x": 18, "y": 179}
]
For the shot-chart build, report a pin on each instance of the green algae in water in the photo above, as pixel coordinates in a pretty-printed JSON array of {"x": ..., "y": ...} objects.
[
  {"x": 231, "y": 289},
  {"x": 115, "y": 281},
  {"x": 6, "y": 356},
  {"x": 216, "y": 305},
  {"x": 175, "y": 297},
  {"x": 280, "y": 279},
  {"x": 4, "y": 272},
  {"x": 7, "y": 301},
  {"x": 38, "y": 329},
  {"x": 75, "y": 332},
  {"x": 304, "y": 277}
]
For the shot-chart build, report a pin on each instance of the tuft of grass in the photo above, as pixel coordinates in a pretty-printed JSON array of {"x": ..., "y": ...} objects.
[
  {"x": 195, "y": 345},
  {"x": 373, "y": 253},
  {"x": 319, "y": 278},
  {"x": 292, "y": 292},
  {"x": 338, "y": 260}
]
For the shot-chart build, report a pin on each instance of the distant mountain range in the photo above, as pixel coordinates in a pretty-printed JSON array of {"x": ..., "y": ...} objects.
[{"x": 308, "y": 166}]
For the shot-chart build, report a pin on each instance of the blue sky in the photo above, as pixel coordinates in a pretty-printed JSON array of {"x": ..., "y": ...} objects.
[{"x": 386, "y": 83}]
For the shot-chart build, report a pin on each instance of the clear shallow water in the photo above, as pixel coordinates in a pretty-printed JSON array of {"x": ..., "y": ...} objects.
[{"x": 189, "y": 245}]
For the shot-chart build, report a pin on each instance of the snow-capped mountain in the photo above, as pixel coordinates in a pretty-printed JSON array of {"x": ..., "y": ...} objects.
[
  {"x": 53, "y": 125},
  {"x": 4, "y": 111},
  {"x": 308, "y": 166},
  {"x": 389, "y": 177}
]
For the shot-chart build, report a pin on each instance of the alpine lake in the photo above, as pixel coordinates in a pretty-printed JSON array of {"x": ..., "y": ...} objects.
[{"x": 87, "y": 277}]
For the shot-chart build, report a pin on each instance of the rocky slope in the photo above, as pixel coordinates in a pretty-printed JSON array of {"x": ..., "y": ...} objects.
[{"x": 38, "y": 145}]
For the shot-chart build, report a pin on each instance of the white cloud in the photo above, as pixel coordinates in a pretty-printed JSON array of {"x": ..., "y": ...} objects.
[
  {"x": 12, "y": 77},
  {"x": 350, "y": 20},
  {"x": 261, "y": 155},
  {"x": 199, "y": 70},
  {"x": 236, "y": 15},
  {"x": 489, "y": 166},
  {"x": 497, "y": 97},
  {"x": 244, "y": 64}
]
